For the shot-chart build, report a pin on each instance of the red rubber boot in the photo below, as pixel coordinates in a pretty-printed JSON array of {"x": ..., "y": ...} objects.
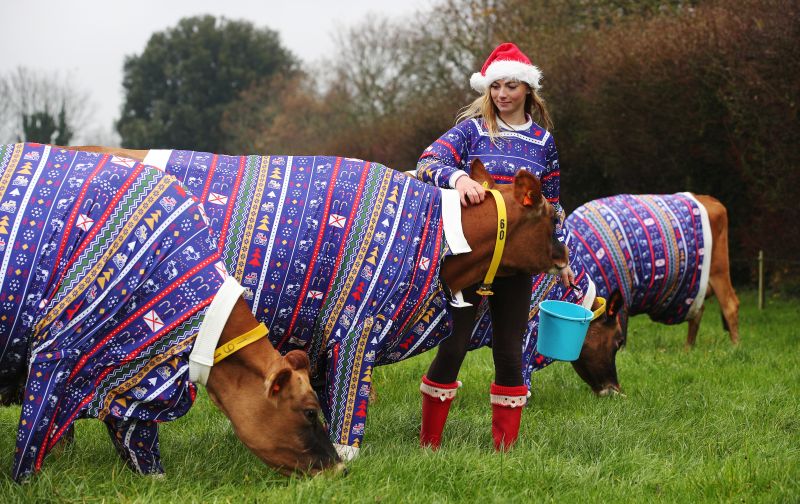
[
  {"x": 436, "y": 399},
  {"x": 507, "y": 404}
]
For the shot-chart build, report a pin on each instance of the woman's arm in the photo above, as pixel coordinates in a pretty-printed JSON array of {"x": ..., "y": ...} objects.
[
  {"x": 445, "y": 160},
  {"x": 551, "y": 187}
]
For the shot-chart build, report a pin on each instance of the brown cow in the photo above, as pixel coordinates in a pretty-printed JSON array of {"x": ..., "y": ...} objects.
[
  {"x": 597, "y": 362},
  {"x": 529, "y": 248},
  {"x": 267, "y": 397}
]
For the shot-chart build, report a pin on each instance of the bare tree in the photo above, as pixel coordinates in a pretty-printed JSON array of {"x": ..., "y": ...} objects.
[{"x": 30, "y": 97}]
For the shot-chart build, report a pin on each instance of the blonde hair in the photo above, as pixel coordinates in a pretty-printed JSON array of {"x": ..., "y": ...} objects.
[{"x": 484, "y": 107}]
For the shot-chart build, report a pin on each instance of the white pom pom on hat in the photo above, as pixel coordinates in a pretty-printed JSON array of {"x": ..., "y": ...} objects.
[{"x": 506, "y": 62}]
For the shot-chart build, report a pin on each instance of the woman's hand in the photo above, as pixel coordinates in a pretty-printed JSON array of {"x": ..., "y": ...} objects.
[
  {"x": 567, "y": 276},
  {"x": 469, "y": 190}
]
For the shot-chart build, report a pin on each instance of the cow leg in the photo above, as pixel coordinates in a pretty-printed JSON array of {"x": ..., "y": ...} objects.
[
  {"x": 728, "y": 303},
  {"x": 65, "y": 441},
  {"x": 720, "y": 275},
  {"x": 694, "y": 325},
  {"x": 136, "y": 442},
  {"x": 349, "y": 377}
]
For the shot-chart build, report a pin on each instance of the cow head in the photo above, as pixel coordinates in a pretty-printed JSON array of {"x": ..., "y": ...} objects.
[
  {"x": 278, "y": 419},
  {"x": 596, "y": 364},
  {"x": 530, "y": 245}
]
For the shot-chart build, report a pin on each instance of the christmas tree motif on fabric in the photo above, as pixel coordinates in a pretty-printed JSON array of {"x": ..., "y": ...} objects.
[
  {"x": 339, "y": 257},
  {"x": 107, "y": 267},
  {"x": 654, "y": 249}
]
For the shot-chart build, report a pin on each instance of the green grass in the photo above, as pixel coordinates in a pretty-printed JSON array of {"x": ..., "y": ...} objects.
[{"x": 717, "y": 424}]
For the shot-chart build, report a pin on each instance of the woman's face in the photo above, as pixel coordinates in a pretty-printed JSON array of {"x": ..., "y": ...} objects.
[{"x": 509, "y": 97}]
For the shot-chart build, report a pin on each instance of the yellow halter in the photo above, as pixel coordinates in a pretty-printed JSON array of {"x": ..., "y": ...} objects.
[
  {"x": 600, "y": 309},
  {"x": 499, "y": 244},
  {"x": 239, "y": 342}
]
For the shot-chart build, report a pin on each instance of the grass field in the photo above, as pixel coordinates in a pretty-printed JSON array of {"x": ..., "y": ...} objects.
[{"x": 716, "y": 424}]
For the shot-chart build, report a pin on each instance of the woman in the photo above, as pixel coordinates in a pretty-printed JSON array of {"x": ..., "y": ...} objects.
[{"x": 498, "y": 128}]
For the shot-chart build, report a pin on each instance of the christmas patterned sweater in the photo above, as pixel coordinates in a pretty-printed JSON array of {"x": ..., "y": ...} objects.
[
  {"x": 654, "y": 249},
  {"x": 532, "y": 149},
  {"x": 107, "y": 270}
]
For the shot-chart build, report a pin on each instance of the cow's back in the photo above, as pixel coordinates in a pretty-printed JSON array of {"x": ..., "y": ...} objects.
[
  {"x": 323, "y": 243},
  {"x": 654, "y": 249}
]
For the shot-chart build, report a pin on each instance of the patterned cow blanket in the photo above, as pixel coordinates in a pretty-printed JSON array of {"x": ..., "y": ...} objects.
[
  {"x": 339, "y": 257},
  {"x": 654, "y": 249},
  {"x": 107, "y": 269}
]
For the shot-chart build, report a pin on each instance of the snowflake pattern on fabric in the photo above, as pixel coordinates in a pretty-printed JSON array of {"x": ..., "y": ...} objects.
[
  {"x": 532, "y": 149},
  {"x": 107, "y": 269},
  {"x": 654, "y": 249},
  {"x": 339, "y": 257}
]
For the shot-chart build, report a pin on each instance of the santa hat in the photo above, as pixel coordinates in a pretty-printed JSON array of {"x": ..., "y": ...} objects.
[{"x": 506, "y": 62}]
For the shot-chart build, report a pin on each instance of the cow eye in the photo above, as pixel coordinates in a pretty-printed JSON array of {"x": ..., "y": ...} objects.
[{"x": 310, "y": 414}]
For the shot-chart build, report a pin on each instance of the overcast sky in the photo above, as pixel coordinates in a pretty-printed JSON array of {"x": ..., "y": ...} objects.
[{"x": 89, "y": 39}]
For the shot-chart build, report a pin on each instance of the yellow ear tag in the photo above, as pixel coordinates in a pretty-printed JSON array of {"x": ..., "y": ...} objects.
[{"x": 485, "y": 184}]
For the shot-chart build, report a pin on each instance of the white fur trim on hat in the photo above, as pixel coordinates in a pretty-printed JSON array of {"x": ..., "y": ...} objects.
[{"x": 505, "y": 69}]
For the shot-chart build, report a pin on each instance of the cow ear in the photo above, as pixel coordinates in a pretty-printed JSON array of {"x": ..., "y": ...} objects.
[
  {"x": 527, "y": 189},
  {"x": 615, "y": 304},
  {"x": 297, "y": 359},
  {"x": 478, "y": 173},
  {"x": 277, "y": 380}
]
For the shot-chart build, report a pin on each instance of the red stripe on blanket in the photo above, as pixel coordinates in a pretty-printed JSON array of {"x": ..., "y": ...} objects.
[
  {"x": 353, "y": 211},
  {"x": 451, "y": 148},
  {"x": 142, "y": 310},
  {"x": 229, "y": 211},
  {"x": 594, "y": 257},
  {"x": 429, "y": 278},
  {"x": 649, "y": 245},
  {"x": 667, "y": 273},
  {"x": 694, "y": 226},
  {"x": 209, "y": 178},
  {"x": 127, "y": 359},
  {"x": 317, "y": 245},
  {"x": 73, "y": 217}
]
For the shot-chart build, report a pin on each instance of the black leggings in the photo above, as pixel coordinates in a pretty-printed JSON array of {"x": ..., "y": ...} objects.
[{"x": 509, "y": 307}]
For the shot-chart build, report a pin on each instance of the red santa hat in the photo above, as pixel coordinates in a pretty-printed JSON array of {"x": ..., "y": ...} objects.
[{"x": 506, "y": 62}]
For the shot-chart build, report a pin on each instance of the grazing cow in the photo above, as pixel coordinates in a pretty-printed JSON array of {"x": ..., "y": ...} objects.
[
  {"x": 664, "y": 254},
  {"x": 130, "y": 300},
  {"x": 646, "y": 254},
  {"x": 380, "y": 266}
]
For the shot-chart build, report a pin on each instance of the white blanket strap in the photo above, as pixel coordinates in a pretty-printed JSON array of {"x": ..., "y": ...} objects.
[
  {"x": 202, "y": 357},
  {"x": 157, "y": 158}
]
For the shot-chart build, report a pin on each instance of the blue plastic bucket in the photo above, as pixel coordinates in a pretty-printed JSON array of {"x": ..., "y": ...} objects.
[{"x": 562, "y": 329}]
